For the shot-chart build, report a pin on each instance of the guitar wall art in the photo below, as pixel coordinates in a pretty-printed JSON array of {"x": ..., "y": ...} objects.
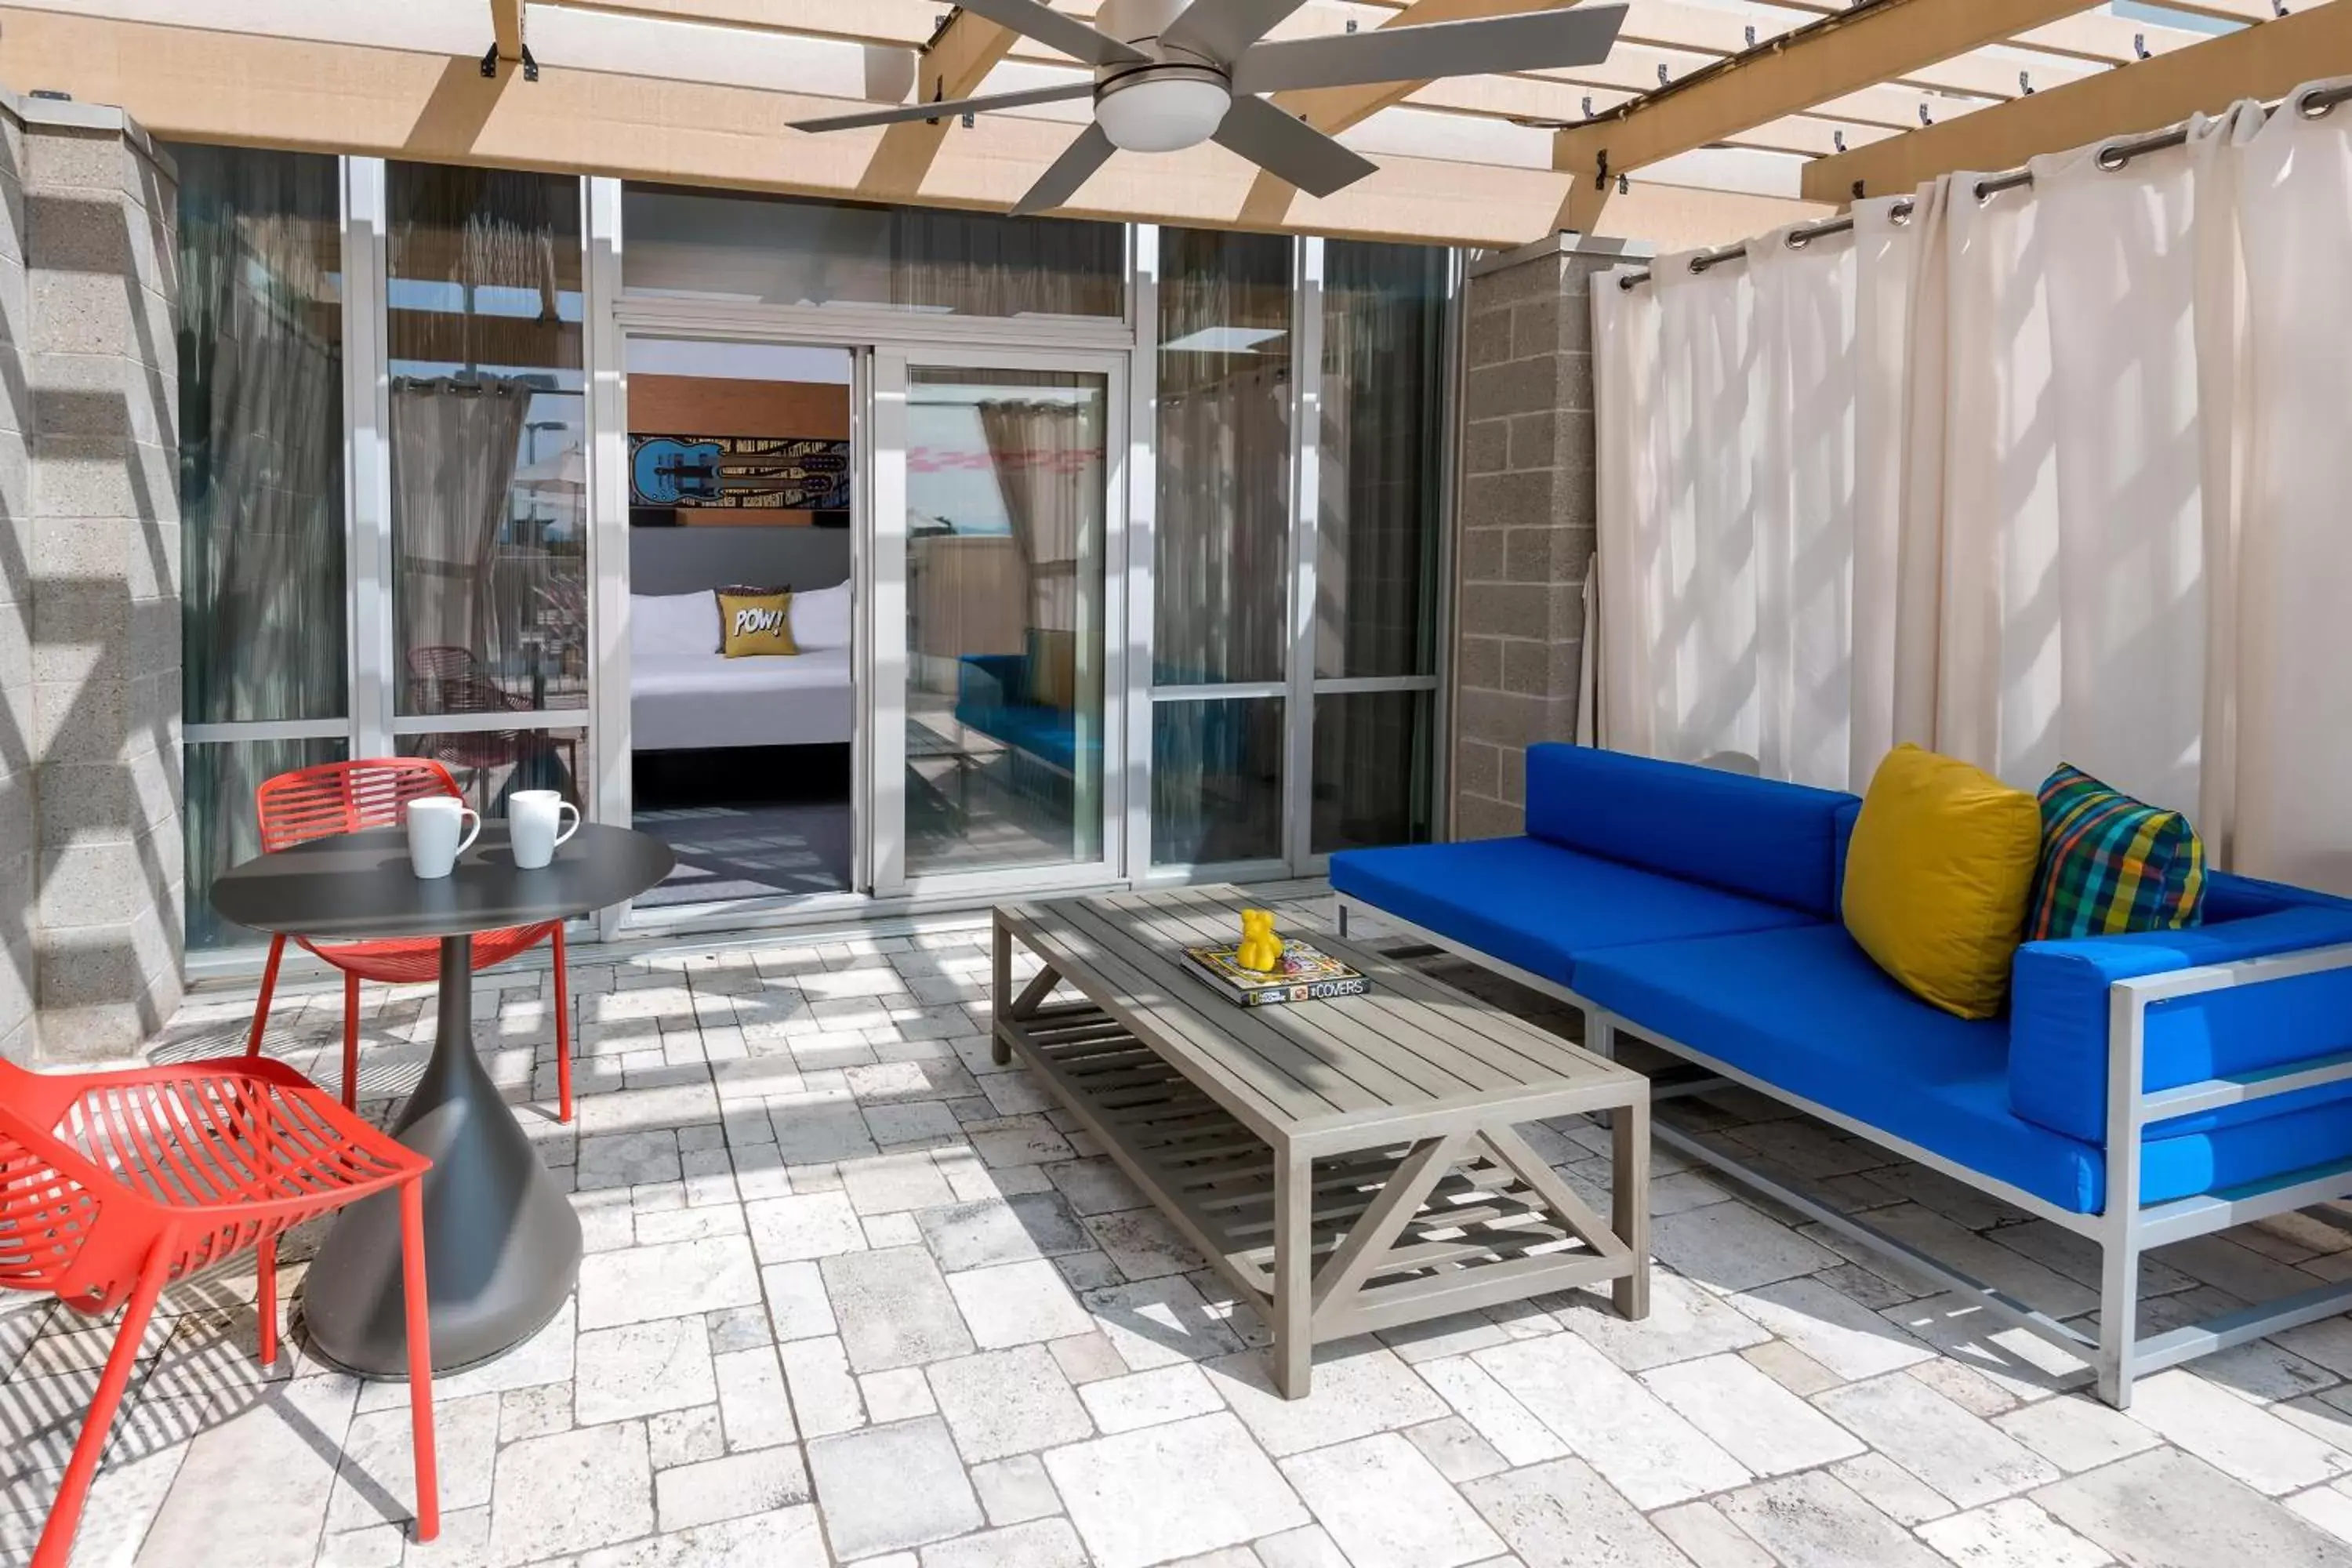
[{"x": 749, "y": 473}]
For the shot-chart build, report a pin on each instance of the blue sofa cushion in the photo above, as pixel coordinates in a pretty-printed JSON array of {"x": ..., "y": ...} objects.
[
  {"x": 1539, "y": 906},
  {"x": 1805, "y": 1011},
  {"x": 2058, "y": 1005},
  {"x": 1748, "y": 835}
]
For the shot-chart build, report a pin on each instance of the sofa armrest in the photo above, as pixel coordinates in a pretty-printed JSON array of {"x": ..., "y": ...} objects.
[{"x": 2235, "y": 1000}]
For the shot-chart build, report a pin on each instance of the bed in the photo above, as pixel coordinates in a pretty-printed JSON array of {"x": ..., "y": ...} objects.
[{"x": 685, "y": 695}]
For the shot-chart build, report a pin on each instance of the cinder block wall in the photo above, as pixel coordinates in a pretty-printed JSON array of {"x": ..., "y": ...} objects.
[
  {"x": 91, "y": 919},
  {"x": 1526, "y": 514}
]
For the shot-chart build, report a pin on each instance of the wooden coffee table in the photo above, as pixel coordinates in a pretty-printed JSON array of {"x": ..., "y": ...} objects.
[{"x": 1348, "y": 1165}]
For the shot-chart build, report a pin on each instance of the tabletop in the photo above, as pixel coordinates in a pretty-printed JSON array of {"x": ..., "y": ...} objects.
[
  {"x": 1411, "y": 1044},
  {"x": 356, "y": 886}
]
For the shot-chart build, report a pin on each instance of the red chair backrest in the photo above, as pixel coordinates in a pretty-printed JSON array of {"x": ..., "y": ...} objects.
[
  {"x": 49, "y": 1213},
  {"x": 345, "y": 797}
]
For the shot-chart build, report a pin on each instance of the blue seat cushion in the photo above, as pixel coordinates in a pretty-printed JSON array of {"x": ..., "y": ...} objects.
[
  {"x": 1805, "y": 1011},
  {"x": 1757, "y": 837},
  {"x": 2058, "y": 1062},
  {"x": 1538, "y": 906}
]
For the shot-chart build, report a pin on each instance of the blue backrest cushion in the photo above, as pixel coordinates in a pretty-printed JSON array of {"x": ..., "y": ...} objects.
[
  {"x": 1757, "y": 836},
  {"x": 2058, "y": 1002}
]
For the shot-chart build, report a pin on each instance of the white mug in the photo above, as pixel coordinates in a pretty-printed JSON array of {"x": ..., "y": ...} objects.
[
  {"x": 534, "y": 819},
  {"x": 434, "y": 827}
]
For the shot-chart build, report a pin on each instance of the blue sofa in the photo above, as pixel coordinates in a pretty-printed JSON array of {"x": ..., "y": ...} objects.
[{"x": 2207, "y": 1072}]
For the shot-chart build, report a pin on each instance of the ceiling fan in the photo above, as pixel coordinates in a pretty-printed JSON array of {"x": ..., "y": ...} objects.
[{"x": 1171, "y": 74}]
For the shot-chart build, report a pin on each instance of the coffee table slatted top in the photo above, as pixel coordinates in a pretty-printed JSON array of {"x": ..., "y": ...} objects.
[{"x": 1410, "y": 1049}]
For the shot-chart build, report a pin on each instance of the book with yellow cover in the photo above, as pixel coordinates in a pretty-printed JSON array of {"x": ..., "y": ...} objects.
[{"x": 1305, "y": 974}]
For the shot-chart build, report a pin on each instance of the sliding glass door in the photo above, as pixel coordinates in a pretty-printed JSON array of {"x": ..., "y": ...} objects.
[{"x": 995, "y": 680}]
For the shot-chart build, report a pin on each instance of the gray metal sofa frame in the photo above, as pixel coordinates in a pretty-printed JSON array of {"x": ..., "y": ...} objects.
[{"x": 2123, "y": 1234}]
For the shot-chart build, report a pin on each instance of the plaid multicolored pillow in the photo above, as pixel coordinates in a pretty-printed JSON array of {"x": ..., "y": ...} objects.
[{"x": 2111, "y": 863}]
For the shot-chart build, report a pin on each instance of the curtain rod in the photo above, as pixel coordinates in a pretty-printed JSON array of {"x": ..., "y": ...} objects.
[{"x": 2312, "y": 105}]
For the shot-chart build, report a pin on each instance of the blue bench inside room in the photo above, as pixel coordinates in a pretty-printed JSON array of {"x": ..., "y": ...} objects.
[{"x": 2205, "y": 1074}]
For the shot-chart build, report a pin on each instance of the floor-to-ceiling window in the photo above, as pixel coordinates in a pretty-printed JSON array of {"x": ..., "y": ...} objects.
[
  {"x": 265, "y": 664},
  {"x": 1298, "y": 557},
  {"x": 487, "y": 427}
]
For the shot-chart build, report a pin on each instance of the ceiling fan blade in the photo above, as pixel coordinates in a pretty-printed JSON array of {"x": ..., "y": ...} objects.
[
  {"x": 1049, "y": 27},
  {"x": 1290, "y": 148},
  {"x": 1221, "y": 29},
  {"x": 1058, "y": 183},
  {"x": 1536, "y": 40},
  {"x": 948, "y": 109}
]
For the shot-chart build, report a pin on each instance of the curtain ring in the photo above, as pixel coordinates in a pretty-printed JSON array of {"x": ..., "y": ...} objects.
[
  {"x": 2111, "y": 159},
  {"x": 1901, "y": 211},
  {"x": 1798, "y": 239},
  {"x": 1698, "y": 264},
  {"x": 1983, "y": 196}
]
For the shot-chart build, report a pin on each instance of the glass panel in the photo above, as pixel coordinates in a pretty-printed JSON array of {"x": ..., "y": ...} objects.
[
  {"x": 261, "y": 436},
  {"x": 1216, "y": 780},
  {"x": 221, "y": 776},
  {"x": 739, "y": 475},
  {"x": 491, "y": 764},
  {"x": 1373, "y": 758},
  {"x": 1383, "y": 402},
  {"x": 778, "y": 250},
  {"x": 1005, "y": 493},
  {"x": 1223, "y": 515},
  {"x": 488, "y": 441}
]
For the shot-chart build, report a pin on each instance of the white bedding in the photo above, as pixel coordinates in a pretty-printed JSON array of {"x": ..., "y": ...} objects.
[{"x": 689, "y": 701}]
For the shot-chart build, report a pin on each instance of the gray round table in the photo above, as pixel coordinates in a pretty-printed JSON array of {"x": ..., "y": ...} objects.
[{"x": 501, "y": 1242}]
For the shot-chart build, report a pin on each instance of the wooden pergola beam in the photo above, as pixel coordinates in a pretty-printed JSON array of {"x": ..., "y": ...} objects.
[
  {"x": 2262, "y": 61},
  {"x": 956, "y": 62},
  {"x": 1840, "y": 54}
]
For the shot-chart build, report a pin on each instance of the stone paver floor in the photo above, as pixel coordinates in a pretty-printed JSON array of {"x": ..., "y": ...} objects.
[{"x": 854, "y": 1295}]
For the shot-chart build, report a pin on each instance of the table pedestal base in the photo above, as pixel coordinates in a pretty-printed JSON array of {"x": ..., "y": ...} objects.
[{"x": 501, "y": 1242}]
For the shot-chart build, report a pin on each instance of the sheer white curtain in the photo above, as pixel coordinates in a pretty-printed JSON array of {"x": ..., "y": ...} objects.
[
  {"x": 2049, "y": 475},
  {"x": 2283, "y": 678}
]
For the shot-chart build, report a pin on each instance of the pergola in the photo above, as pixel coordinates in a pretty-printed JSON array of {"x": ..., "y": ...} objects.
[{"x": 1712, "y": 119}]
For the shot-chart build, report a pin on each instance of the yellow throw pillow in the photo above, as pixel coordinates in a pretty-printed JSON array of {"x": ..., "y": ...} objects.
[
  {"x": 755, "y": 624},
  {"x": 1938, "y": 878}
]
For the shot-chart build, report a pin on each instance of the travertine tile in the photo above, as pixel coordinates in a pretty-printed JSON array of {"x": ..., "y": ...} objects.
[
  {"x": 1811, "y": 1519},
  {"x": 900, "y": 1394},
  {"x": 1144, "y": 1244},
  {"x": 687, "y": 1277},
  {"x": 2165, "y": 1508},
  {"x": 643, "y": 1368},
  {"x": 2075, "y": 1432},
  {"x": 2245, "y": 1442},
  {"x": 1360, "y": 1388},
  {"x": 376, "y": 1482},
  {"x": 885, "y": 1488},
  {"x": 824, "y": 1391},
  {"x": 1515, "y": 1431},
  {"x": 1709, "y": 1539},
  {"x": 1003, "y": 1230},
  {"x": 1156, "y": 1321},
  {"x": 894, "y": 1308},
  {"x": 1960, "y": 1455},
  {"x": 1555, "y": 1515},
  {"x": 1041, "y": 1544},
  {"x": 1017, "y": 1304},
  {"x": 291, "y": 1433},
  {"x": 730, "y": 1488},
  {"x": 788, "y": 1538},
  {"x": 2015, "y": 1531},
  {"x": 1624, "y": 1431},
  {"x": 798, "y": 1308},
  {"x": 1685, "y": 1321},
  {"x": 570, "y": 1492},
  {"x": 1731, "y": 1246},
  {"x": 1016, "y": 1490},
  {"x": 685, "y": 1437},
  {"x": 894, "y": 1184},
  {"x": 1148, "y": 1398},
  {"x": 1188, "y": 1486},
  {"x": 755, "y": 1408},
  {"x": 1892, "y": 1489},
  {"x": 1388, "y": 1507},
  {"x": 815, "y": 1225},
  {"x": 1000, "y": 1403},
  {"x": 1836, "y": 1331},
  {"x": 1453, "y": 1446},
  {"x": 1756, "y": 1421}
]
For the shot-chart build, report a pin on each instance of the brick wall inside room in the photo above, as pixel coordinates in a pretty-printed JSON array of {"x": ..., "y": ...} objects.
[
  {"x": 1526, "y": 516},
  {"x": 91, "y": 839}
]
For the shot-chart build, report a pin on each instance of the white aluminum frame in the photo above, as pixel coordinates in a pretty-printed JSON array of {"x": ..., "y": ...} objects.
[{"x": 2122, "y": 1231}]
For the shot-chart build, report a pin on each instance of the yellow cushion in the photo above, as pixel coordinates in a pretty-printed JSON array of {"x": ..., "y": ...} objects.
[
  {"x": 755, "y": 624},
  {"x": 1938, "y": 876}
]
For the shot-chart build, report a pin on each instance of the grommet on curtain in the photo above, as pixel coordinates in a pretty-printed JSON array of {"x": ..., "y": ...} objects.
[
  {"x": 2111, "y": 159},
  {"x": 2321, "y": 101}
]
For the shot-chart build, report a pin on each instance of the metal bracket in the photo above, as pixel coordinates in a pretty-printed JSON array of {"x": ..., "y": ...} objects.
[
  {"x": 490, "y": 63},
  {"x": 1600, "y": 170},
  {"x": 938, "y": 94}
]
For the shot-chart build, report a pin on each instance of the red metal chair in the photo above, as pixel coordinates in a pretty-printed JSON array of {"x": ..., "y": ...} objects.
[
  {"x": 349, "y": 797},
  {"x": 114, "y": 1185}
]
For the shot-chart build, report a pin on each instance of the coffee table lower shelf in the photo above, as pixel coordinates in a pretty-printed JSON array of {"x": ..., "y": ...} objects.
[{"x": 1488, "y": 1221}]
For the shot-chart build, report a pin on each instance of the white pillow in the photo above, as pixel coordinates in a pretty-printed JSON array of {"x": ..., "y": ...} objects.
[
  {"x": 821, "y": 617},
  {"x": 673, "y": 622}
]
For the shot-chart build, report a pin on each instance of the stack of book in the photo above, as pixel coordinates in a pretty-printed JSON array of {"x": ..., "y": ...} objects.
[{"x": 1304, "y": 974}]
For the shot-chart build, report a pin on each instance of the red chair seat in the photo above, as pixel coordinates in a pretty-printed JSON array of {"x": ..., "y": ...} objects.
[{"x": 399, "y": 960}]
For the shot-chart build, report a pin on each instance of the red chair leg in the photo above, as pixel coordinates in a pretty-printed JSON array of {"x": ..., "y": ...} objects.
[
  {"x": 268, "y": 987},
  {"x": 350, "y": 1041},
  {"x": 65, "y": 1514},
  {"x": 420, "y": 1357},
  {"x": 563, "y": 1031},
  {"x": 265, "y": 1263}
]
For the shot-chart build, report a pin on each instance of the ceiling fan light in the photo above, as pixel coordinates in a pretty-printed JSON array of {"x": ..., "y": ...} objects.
[{"x": 1164, "y": 111}]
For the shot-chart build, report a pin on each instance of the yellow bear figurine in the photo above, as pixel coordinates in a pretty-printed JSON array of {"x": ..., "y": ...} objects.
[{"x": 1261, "y": 950}]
